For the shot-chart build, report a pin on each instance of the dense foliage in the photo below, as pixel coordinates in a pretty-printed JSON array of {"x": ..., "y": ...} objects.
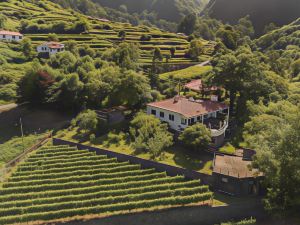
[
  {"x": 197, "y": 137},
  {"x": 150, "y": 135},
  {"x": 163, "y": 14}
]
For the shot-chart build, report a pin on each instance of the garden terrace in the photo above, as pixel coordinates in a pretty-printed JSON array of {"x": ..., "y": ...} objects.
[
  {"x": 61, "y": 182},
  {"x": 101, "y": 34}
]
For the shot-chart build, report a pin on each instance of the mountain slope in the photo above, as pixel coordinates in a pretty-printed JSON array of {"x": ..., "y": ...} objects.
[
  {"x": 262, "y": 12},
  {"x": 281, "y": 38},
  {"x": 171, "y": 10}
]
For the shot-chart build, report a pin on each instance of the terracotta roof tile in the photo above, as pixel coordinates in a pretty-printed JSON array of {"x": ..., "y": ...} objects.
[
  {"x": 6, "y": 32},
  {"x": 187, "y": 107},
  {"x": 234, "y": 166},
  {"x": 53, "y": 44}
]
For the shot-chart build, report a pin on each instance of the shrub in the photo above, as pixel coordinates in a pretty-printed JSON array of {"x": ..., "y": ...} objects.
[{"x": 196, "y": 137}]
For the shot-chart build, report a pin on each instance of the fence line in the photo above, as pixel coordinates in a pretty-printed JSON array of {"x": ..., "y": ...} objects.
[{"x": 8, "y": 166}]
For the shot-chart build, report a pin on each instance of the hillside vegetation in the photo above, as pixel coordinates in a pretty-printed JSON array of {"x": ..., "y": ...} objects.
[
  {"x": 171, "y": 10},
  {"x": 37, "y": 20},
  {"x": 63, "y": 183},
  {"x": 261, "y": 13},
  {"x": 163, "y": 14}
]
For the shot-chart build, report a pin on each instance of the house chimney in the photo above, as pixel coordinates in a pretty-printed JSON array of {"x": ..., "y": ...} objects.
[{"x": 176, "y": 99}]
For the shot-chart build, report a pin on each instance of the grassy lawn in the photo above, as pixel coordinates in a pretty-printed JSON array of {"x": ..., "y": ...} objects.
[
  {"x": 14, "y": 147},
  {"x": 187, "y": 74},
  {"x": 175, "y": 155},
  {"x": 227, "y": 149}
]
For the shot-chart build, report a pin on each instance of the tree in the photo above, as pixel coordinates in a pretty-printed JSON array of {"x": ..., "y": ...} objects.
[
  {"x": 53, "y": 37},
  {"x": 187, "y": 25},
  {"x": 228, "y": 36},
  {"x": 245, "y": 27},
  {"x": 242, "y": 74},
  {"x": 81, "y": 26},
  {"x": 67, "y": 92},
  {"x": 33, "y": 87},
  {"x": 150, "y": 135},
  {"x": 27, "y": 48},
  {"x": 196, "y": 49},
  {"x": 71, "y": 46},
  {"x": 274, "y": 131},
  {"x": 87, "y": 121},
  {"x": 157, "y": 55},
  {"x": 173, "y": 51},
  {"x": 3, "y": 20},
  {"x": 295, "y": 67},
  {"x": 133, "y": 90},
  {"x": 197, "y": 137},
  {"x": 122, "y": 35},
  {"x": 270, "y": 27},
  {"x": 127, "y": 56}
]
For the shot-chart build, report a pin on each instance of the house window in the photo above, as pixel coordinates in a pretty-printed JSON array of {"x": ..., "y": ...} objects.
[
  {"x": 4, "y": 36},
  {"x": 162, "y": 114},
  {"x": 198, "y": 118},
  {"x": 183, "y": 121},
  {"x": 192, "y": 120},
  {"x": 171, "y": 117},
  {"x": 153, "y": 112}
]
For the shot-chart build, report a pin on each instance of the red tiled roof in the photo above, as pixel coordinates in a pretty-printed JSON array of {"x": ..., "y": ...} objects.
[
  {"x": 53, "y": 44},
  {"x": 6, "y": 32},
  {"x": 196, "y": 85},
  {"x": 187, "y": 107}
]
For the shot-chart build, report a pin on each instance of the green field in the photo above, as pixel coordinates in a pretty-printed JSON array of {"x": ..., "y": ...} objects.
[
  {"x": 61, "y": 183},
  {"x": 186, "y": 74}
]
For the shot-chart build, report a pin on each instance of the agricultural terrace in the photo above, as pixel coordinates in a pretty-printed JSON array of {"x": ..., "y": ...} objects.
[
  {"x": 186, "y": 74},
  {"x": 100, "y": 35},
  {"x": 58, "y": 183}
]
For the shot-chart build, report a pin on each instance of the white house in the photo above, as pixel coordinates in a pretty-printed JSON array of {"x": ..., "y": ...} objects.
[
  {"x": 180, "y": 112},
  {"x": 10, "y": 36},
  {"x": 51, "y": 48}
]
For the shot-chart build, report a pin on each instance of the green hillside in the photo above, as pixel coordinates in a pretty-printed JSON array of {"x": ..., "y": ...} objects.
[
  {"x": 40, "y": 19},
  {"x": 282, "y": 37},
  {"x": 171, "y": 10},
  {"x": 61, "y": 182},
  {"x": 261, "y": 12}
]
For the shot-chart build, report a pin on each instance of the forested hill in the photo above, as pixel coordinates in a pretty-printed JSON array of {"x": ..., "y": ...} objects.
[
  {"x": 171, "y": 10},
  {"x": 281, "y": 38},
  {"x": 262, "y": 12},
  {"x": 164, "y": 14}
]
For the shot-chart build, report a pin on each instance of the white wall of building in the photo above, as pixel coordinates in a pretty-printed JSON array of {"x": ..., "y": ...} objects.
[
  {"x": 5, "y": 37},
  {"x": 176, "y": 124},
  {"x": 178, "y": 118},
  {"x": 51, "y": 51}
]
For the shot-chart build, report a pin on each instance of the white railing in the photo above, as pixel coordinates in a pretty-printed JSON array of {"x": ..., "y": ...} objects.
[{"x": 217, "y": 133}]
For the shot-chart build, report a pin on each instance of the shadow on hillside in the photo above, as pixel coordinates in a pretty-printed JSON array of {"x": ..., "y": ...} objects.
[
  {"x": 35, "y": 120},
  {"x": 193, "y": 160}
]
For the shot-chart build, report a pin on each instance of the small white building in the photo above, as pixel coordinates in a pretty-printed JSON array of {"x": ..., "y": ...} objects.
[
  {"x": 51, "y": 48},
  {"x": 10, "y": 36},
  {"x": 180, "y": 112}
]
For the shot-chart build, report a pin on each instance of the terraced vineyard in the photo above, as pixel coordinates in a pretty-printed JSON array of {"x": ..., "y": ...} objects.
[
  {"x": 59, "y": 182},
  {"x": 102, "y": 34}
]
